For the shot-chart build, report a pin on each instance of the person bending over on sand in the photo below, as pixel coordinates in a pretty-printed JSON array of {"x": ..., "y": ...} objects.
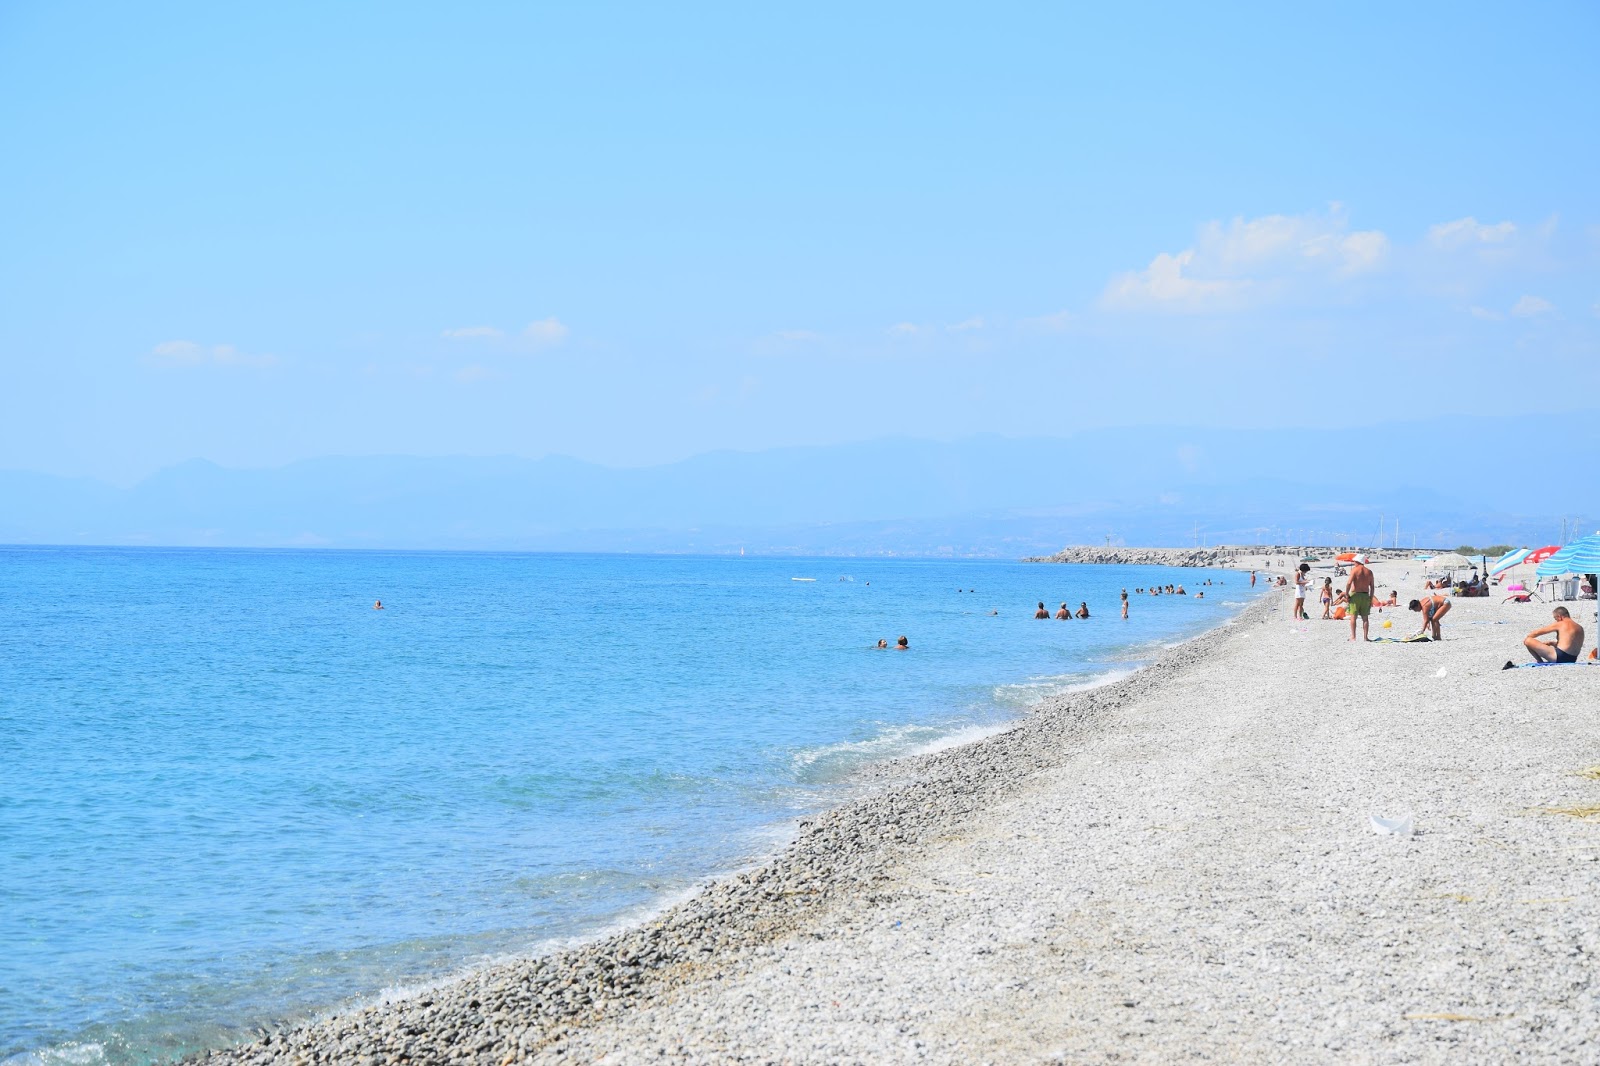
[
  {"x": 1433, "y": 608},
  {"x": 902, "y": 645},
  {"x": 1063, "y": 614},
  {"x": 1359, "y": 587},
  {"x": 1083, "y": 609},
  {"x": 1568, "y": 644},
  {"x": 1041, "y": 612}
]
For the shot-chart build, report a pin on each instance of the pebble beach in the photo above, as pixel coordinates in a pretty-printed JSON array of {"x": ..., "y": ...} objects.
[{"x": 1180, "y": 866}]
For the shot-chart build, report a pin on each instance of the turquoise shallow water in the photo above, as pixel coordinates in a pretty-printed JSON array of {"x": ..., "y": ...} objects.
[{"x": 233, "y": 793}]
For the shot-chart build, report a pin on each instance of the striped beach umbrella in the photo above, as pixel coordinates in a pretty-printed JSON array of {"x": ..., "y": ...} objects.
[
  {"x": 1508, "y": 560},
  {"x": 1579, "y": 557}
]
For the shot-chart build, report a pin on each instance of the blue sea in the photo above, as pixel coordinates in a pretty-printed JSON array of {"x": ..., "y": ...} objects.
[{"x": 233, "y": 793}]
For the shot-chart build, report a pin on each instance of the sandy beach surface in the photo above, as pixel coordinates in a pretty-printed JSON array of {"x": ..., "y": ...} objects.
[{"x": 1179, "y": 867}]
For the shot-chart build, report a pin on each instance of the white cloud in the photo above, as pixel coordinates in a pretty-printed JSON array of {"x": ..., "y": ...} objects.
[
  {"x": 904, "y": 329},
  {"x": 1469, "y": 232},
  {"x": 1486, "y": 314},
  {"x": 1164, "y": 286},
  {"x": 188, "y": 353},
  {"x": 471, "y": 333},
  {"x": 1530, "y": 306},
  {"x": 546, "y": 332},
  {"x": 1248, "y": 262},
  {"x": 966, "y": 326}
]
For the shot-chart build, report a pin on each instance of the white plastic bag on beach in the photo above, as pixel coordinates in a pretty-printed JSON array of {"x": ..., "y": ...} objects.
[{"x": 1399, "y": 826}]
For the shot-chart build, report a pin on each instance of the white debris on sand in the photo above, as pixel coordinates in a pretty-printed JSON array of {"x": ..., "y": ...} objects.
[{"x": 1181, "y": 866}]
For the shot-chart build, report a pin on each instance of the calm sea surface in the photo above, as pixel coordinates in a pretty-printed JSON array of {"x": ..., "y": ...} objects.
[{"x": 232, "y": 793}]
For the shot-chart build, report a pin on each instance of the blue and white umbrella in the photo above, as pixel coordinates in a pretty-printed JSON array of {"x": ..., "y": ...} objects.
[
  {"x": 1509, "y": 559},
  {"x": 1579, "y": 557}
]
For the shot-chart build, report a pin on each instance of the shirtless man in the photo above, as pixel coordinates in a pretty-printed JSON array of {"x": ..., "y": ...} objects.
[
  {"x": 1063, "y": 614},
  {"x": 1359, "y": 587},
  {"x": 1042, "y": 612},
  {"x": 1433, "y": 608},
  {"x": 1568, "y": 643}
]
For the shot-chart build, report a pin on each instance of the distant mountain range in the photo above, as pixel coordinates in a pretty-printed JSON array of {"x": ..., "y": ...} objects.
[{"x": 1447, "y": 480}]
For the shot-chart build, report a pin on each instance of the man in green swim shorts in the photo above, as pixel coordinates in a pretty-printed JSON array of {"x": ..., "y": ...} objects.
[{"x": 1359, "y": 588}]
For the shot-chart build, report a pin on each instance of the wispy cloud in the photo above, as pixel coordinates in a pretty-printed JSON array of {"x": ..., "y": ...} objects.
[
  {"x": 188, "y": 353},
  {"x": 1470, "y": 233},
  {"x": 472, "y": 333},
  {"x": 1248, "y": 262},
  {"x": 1059, "y": 322},
  {"x": 545, "y": 333},
  {"x": 967, "y": 326},
  {"x": 1531, "y": 306},
  {"x": 905, "y": 329}
]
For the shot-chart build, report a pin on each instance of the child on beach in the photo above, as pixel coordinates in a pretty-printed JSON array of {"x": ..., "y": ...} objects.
[{"x": 1327, "y": 597}]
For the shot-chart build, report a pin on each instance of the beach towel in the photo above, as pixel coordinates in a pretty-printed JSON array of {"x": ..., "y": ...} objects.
[{"x": 1419, "y": 639}]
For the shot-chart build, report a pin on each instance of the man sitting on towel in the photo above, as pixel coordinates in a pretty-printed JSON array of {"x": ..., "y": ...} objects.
[{"x": 1568, "y": 642}]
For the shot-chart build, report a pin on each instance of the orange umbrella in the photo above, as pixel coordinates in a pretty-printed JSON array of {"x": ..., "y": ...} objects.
[{"x": 1345, "y": 557}]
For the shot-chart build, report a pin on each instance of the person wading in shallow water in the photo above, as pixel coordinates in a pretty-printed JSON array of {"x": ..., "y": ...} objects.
[
  {"x": 1063, "y": 614},
  {"x": 1042, "y": 612}
]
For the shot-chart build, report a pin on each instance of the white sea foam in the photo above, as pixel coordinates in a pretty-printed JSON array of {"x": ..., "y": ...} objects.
[{"x": 68, "y": 1054}]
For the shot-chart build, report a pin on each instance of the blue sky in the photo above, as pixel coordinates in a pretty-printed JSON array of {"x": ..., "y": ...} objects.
[{"x": 631, "y": 233}]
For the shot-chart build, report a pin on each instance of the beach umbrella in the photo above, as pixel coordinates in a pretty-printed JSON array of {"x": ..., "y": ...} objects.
[
  {"x": 1539, "y": 555},
  {"x": 1580, "y": 557},
  {"x": 1508, "y": 560},
  {"x": 1345, "y": 557},
  {"x": 1449, "y": 561}
]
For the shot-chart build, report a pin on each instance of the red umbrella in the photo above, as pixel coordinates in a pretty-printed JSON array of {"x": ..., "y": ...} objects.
[{"x": 1539, "y": 555}]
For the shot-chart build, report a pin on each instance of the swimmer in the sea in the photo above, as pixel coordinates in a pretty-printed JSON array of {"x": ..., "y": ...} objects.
[
  {"x": 1083, "y": 610},
  {"x": 378, "y": 606},
  {"x": 1042, "y": 612},
  {"x": 902, "y": 645},
  {"x": 1063, "y": 614},
  {"x": 883, "y": 644}
]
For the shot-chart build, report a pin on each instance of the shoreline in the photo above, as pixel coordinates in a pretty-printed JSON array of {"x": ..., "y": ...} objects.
[
  {"x": 520, "y": 1007},
  {"x": 1179, "y": 864}
]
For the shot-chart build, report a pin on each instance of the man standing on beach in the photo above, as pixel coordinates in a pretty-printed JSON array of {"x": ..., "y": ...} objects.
[{"x": 1358, "y": 588}]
